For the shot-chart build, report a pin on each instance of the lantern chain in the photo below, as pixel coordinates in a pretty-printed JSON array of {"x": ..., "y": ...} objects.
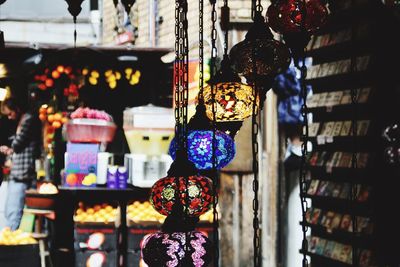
[
  {"x": 185, "y": 76},
  {"x": 176, "y": 76},
  {"x": 255, "y": 147},
  {"x": 214, "y": 142},
  {"x": 304, "y": 139},
  {"x": 304, "y": 152},
  {"x": 353, "y": 91},
  {"x": 201, "y": 49}
]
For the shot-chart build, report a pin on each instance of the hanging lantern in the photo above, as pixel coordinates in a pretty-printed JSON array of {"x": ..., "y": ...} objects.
[
  {"x": 233, "y": 99},
  {"x": 200, "y": 139},
  {"x": 200, "y": 149},
  {"x": 286, "y": 16},
  {"x": 163, "y": 194},
  {"x": 169, "y": 249},
  {"x": 271, "y": 56},
  {"x": 296, "y": 22}
]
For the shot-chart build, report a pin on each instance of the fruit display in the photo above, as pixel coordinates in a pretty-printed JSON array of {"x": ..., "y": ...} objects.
[
  {"x": 103, "y": 213},
  {"x": 48, "y": 188},
  {"x": 90, "y": 126},
  {"x": 55, "y": 119},
  {"x": 144, "y": 212},
  {"x": 87, "y": 113},
  {"x": 18, "y": 237}
]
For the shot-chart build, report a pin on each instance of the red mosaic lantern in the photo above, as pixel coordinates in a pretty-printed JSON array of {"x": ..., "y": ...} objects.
[
  {"x": 286, "y": 16},
  {"x": 199, "y": 188}
]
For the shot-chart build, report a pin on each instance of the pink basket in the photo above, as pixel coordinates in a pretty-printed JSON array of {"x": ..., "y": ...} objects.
[{"x": 90, "y": 131}]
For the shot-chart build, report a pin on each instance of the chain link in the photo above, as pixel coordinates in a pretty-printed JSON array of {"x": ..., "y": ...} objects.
[
  {"x": 304, "y": 139},
  {"x": 255, "y": 147},
  {"x": 176, "y": 75},
  {"x": 214, "y": 146},
  {"x": 201, "y": 49}
]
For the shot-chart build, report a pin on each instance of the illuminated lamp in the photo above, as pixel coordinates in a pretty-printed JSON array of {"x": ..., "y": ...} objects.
[
  {"x": 199, "y": 194},
  {"x": 183, "y": 186},
  {"x": 176, "y": 249},
  {"x": 200, "y": 142},
  {"x": 232, "y": 100}
]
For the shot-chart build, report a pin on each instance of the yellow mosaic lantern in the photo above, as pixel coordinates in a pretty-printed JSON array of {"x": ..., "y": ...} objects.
[{"x": 233, "y": 100}]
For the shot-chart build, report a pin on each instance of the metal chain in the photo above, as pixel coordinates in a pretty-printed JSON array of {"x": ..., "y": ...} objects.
[
  {"x": 176, "y": 76},
  {"x": 185, "y": 76},
  {"x": 255, "y": 146},
  {"x": 304, "y": 138},
  {"x": 353, "y": 187},
  {"x": 201, "y": 49},
  {"x": 214, "y": 158}
]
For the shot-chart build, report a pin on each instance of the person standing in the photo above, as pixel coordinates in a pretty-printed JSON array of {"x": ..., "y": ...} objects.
[{"x": 24, "y": 149}]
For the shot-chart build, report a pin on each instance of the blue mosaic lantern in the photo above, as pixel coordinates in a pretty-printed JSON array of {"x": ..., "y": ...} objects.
[{"x": 200, "y": 150}]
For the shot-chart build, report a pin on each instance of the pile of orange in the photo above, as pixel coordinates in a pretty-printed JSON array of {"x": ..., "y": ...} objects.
[{"x": 55, "y": 119}]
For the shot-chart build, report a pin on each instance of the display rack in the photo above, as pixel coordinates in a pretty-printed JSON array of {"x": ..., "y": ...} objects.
[{"x": 332, "y": 76}]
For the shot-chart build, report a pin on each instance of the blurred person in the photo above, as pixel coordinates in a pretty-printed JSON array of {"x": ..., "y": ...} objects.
[{"x": 24, "y": 149}]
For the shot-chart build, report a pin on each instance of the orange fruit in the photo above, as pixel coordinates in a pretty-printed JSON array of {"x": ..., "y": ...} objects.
[
  {"x": 57, "y": 117},
  {"x": 56, "y": 124},
  {"x": 64, "y": 120},
  {"x": 42, "y": 117},
  {"x": 71, "y": 179},
  {"x": 50, "y": 110},
  {"x": 50, "y": 118}
]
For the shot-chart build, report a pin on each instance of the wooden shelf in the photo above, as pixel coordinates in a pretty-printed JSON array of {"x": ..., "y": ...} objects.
[
  {"x": 341, "y": 236},
  {"x": 338, "y": 51},
  {"x": 359, "y": 176},
  {"x": 322, "y": 261},
  {"x": 340, "y": 205},
  {"x": 342, "y": 80},
  {"x": 344, "y": 144},
  {"x": 341, "y": 112}
]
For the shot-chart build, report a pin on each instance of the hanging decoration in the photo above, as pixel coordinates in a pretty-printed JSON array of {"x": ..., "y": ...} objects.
[
  {"x": 170, "y": 249},
  {"x": 232, "y": 97},
  {"x": 200, "y": 142},
  {"x": 271, "y": 56},
  {"x": 163, "y": 194},
  {"x": 297, "y": 20},
  {"x": 74, "y": 8},
  {"x": 285, "y": 16},
  {"x": 200, "y": 149},
  {"x": 183, "y": 195}
]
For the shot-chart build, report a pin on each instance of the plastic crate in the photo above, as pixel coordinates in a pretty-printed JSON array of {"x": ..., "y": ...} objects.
[
  {"x": 83, "y": 258},
  {"x": 84, "y": 231},
  {"x": 20, "y": 256}
]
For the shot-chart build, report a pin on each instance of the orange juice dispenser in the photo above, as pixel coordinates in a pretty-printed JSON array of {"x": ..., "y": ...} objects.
[{"x": 149, "y": 129}]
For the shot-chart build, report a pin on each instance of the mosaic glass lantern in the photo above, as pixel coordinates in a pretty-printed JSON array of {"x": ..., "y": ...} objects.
[
  {"x": 271, "y": 56},
  {"x": 233, "y": 100},
  {"x": 169, "y": 249},
  {"x": 163, "y": 195},
  {"x": 200, "y": 149},
  {"x": 286, "y": 16}
]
